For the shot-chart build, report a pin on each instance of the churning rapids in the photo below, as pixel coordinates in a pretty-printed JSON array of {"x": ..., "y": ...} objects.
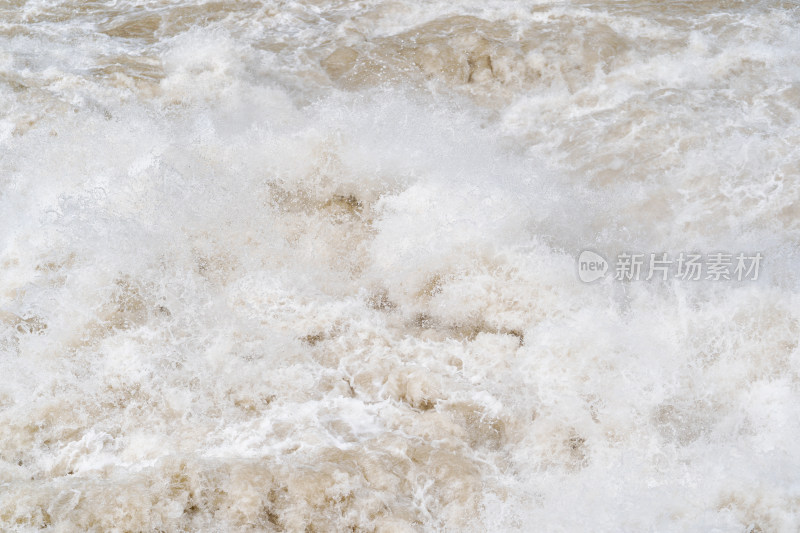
[{"x": 313, "y": 266}]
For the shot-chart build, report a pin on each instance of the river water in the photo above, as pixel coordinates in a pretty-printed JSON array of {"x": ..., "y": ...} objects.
[{"x": 313, "y": 266}]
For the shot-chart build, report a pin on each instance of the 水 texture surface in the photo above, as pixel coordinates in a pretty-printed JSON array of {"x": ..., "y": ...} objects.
[{"x": 311, "y": 266}]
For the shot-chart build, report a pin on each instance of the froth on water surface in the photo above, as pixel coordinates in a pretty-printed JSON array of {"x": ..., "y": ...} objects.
[{"x": 312, "y": 266}]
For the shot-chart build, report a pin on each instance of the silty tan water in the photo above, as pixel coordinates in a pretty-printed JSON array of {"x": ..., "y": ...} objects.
[{"x": 311, "y": 266}]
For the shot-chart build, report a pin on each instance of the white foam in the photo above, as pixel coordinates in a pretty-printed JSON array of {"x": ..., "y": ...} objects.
[{"x": 237, "y": 293}]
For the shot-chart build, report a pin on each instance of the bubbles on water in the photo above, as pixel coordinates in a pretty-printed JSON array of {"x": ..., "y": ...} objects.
[{"x": 313, "y": 267}]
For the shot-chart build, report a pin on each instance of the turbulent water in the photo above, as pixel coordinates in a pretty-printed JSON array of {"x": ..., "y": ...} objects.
[{"x": 313, "y": 266}]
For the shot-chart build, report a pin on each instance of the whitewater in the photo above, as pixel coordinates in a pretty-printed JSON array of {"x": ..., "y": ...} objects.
[{"x": 315, "y": 265}]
